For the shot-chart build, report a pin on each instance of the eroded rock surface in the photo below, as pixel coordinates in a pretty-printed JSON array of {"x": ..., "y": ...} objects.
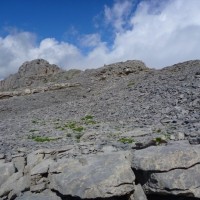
[
  {"x": 66, "y": 134},
  {"x": 102, "y": 176},
  {"x": 172, "y": 169},
  {"x": 50, "y": 173}
]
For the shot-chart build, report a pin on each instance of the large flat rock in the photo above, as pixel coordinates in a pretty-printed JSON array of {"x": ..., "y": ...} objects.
[
  {"x": 184, "y": 182},
  {"x": 165, "y": 158},
  {"x": 99, "y": 176},
  {"x": 172, "y": 169}
]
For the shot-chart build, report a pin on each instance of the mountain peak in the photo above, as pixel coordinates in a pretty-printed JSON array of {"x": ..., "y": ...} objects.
[{"x": 37, "y": 67}]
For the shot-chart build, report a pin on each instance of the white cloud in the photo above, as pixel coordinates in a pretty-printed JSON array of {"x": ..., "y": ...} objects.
[
  {"x": 118, "y": 14},
  {"x": 159, "y": 34},
  {"x": 90, "y": 40},
  {"x": 20, "y": 47}
]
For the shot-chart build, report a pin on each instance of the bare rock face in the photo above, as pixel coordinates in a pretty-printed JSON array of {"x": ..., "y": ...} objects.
[
  {"x": 172, "y": 169},
  {"x": 50, "y": 175},
  {"x": 121, "y": 69},
  {"x": 38, "y": 67},
  {"x": 102, "y": 176},
  {"x": 33, "y": 73}
]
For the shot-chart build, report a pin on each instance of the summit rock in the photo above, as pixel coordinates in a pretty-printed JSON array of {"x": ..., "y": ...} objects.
[{"x": 31, "y": 73}]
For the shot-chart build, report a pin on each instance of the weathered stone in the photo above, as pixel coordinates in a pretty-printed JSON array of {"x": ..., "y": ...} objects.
[
  {"x": 6, "y": 170},
  {"x": 2, "y": 161},
  {"x": 42, "y": 167},
  {"x": 109, "y": 149},
  {"x": 137, "y": 132},
  {"x": 101, "y": 176},
  {"x": 176, "y": 181},
  {"x": 34, "y": 158},
  {"x": 28, "y": 74},
  {"x": 19, "y": 163},
  {"x": 138, "y": 193},
  {"x": 16, "y": 183},
  {"x": 172, "y": 137},
  {"x": 45, "y": 195},
  {"x": 156, "y": 158},
  {"x": 38, "y": 188},
  {"x": 172, "y": 169},
  {"x": 180, "y": 136},
  {"x": 2, "y": 156},
  {"x": 22, "y": 150}
]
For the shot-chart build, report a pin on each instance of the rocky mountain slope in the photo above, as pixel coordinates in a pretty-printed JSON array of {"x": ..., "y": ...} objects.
[{"x": 139, "y": 125}]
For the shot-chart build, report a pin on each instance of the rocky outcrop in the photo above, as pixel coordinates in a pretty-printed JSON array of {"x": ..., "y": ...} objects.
[
  {"x": 121, "y": 69},
  {"x": 30, "y": 73},
  {"x": 104, "y": 175},
  {"x": 28, "y": 91},
  {"x": 172, "y": 169},
  {"x": 100, "y": 176}
]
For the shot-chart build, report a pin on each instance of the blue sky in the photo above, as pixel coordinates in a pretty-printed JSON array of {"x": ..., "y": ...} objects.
[
  {"x": 52, "y": 18},
  {"x": 90, "y": 33}
]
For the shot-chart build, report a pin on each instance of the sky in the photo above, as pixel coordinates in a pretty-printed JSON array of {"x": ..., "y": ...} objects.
[{"x": 90, "y": 33}]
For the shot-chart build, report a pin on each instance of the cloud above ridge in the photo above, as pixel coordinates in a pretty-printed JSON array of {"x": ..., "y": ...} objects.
[{"x": 160, "y": 33}]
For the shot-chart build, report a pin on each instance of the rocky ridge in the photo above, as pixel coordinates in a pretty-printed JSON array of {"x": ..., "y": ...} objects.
[{"x": 122, "y": 131}]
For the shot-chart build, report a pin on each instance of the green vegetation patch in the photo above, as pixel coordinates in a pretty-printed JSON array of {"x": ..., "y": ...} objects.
[
  {"x": 159, "y": 140},
  {"x": 131, "y": 83},
  {"x": 74, "y": 126},
  {"x": 41, "y": 139},
  {"x": 88, "y": 119},
  {"x": 126, "y": 140},
  {"x": 78, "y": 129}
]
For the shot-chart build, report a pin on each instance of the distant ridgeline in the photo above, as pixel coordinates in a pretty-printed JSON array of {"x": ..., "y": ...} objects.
[{"x": 33, "y": 74}]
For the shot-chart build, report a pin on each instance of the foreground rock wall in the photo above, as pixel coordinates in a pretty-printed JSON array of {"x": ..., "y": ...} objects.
[{"x": 172, "y": 169}]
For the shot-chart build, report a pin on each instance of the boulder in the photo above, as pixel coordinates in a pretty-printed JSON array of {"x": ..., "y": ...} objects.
[
  {"x": 15, "y": 184},
  {"x": 6, "y": 170},
  {"x": 172, "y": 169},
  {"x": 165, "y": 158},
  {"x": 99, "y": 176}
]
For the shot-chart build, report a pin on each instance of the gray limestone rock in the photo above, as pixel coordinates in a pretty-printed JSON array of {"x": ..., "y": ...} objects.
[
  {"x": 6, "y": 170},
  {"x": 15, "y": 184},
  {"x": 46, "y": 195},
  {"x": 185, "y": 182},
  {"x": 38, "y": 188},
  {"x": 172, "y": 169},
  {"x": 19, "y": 162},
  {"x": 28, "y": 75},
  {"x": 139, "y": 193},
  {"x": 35, "y": 158},
  {"x": 42, "y": 167},
  {"x": 2, "y": 156},
  {"x": 100, "y": 176},
  {"x": 165, "y": 158}
]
